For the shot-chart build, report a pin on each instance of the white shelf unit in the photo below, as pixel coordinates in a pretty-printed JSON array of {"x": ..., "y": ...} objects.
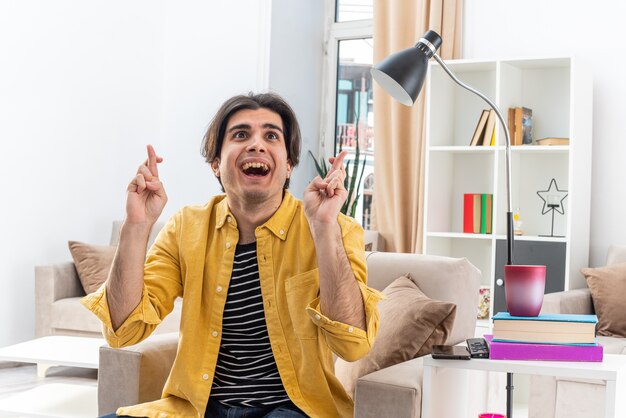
[{"x": 559, "y": 92}]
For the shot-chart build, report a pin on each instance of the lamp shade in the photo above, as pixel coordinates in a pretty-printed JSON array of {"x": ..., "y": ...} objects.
[{"x": 402, "y": 74}]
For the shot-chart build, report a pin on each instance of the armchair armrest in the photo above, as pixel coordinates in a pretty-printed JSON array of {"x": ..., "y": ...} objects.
[
  {"x": 395, "y": 391},
  {"x": 576, "y": 301},
  {"x": 52, "y": 283},
  {"x": 136, "y": 374}
]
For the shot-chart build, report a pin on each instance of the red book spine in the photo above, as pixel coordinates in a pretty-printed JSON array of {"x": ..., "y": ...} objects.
[{"x": 468, "y": 213}]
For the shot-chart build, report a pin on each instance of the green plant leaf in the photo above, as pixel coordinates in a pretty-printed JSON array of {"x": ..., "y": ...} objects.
[{"x": 321, "y": 169}]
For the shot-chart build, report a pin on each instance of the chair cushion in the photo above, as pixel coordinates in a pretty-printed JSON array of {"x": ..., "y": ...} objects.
[
  {"x": 607, "y": 286},
  {"x": 92, "y": 262},
  {"x": 69, "y": 317},
  {"x": 410, "y": 324}
]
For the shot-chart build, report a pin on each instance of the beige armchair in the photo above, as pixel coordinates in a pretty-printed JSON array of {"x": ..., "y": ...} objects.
[
  {"x": 137, "y": 374},
  {"x": 561, "y": 397}
]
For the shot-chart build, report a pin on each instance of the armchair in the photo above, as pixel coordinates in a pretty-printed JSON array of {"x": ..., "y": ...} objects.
[
  {"x": 137, "y": 374},
  {"x": 556, "y": 397}
]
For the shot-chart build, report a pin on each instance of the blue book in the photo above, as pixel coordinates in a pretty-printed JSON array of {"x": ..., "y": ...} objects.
[{"x": 545, "y": 328}]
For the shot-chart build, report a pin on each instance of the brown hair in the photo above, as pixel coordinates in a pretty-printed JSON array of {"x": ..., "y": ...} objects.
[{"x": 214, "y": 136}]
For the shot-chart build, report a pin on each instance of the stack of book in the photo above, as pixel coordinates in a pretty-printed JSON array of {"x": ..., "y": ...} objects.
[
  {"x": 477, "y": 213},
  {"x": 558, "y": 337}
]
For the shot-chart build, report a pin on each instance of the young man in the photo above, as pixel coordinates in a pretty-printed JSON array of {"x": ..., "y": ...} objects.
[{"x": 271, "y": 286}]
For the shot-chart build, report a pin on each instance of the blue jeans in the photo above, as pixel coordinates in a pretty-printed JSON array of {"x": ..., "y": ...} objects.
[{"x": 216, "y": 410}]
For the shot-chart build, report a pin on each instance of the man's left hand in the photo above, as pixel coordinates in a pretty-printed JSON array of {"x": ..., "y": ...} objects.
[{"x": 323, "y": 198}]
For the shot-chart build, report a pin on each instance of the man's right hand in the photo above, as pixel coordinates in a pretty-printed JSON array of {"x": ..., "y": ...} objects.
[
  {"x": 146, "y": 197},
  {"x": 145, "y": 200}
]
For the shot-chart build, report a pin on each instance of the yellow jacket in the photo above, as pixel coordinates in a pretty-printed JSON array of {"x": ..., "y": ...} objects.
[{"x": 193, "y": 258}]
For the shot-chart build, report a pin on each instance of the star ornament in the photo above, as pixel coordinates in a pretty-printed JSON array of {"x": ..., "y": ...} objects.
[{"x": 552, "y": 198}]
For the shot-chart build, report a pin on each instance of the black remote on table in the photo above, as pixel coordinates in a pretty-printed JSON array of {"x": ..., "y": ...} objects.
[{"x": 478, "y": 348}]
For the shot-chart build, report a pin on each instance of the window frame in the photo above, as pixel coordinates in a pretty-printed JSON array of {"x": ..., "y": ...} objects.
[{"x": 334, "y": 33}]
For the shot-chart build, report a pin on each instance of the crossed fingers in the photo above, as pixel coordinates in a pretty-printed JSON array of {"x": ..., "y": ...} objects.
[
  {"x": 336, "y": 174},
  {"x": 147, "y": 176}
]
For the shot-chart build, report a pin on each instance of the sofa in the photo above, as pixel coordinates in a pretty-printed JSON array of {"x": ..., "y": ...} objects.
[
  {"x": 136, "y": 374},
  {"x": 557, "y": 397},
  {"x": 58, "y": 291}
]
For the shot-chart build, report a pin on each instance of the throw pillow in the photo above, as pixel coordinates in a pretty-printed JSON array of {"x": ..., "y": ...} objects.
[
  {"x": 410, "y": 324},
  {"x": 92, "y": 262},
  {"x": 608, "y": 286}
]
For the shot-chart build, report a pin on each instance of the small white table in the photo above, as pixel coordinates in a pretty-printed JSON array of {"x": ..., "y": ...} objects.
[
  {"x": 56, "y": 350},
  {"x": 54, "y": 400},
  {"x": 441, "y": 392}
]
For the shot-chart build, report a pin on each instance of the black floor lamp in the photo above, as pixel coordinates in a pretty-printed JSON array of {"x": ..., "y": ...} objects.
[{"x": 402, "y": 75}]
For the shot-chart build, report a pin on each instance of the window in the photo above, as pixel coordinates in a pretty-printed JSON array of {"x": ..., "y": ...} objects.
[
  {"x": 348, "y": 100},
  {"x": 347, "y": 10}
]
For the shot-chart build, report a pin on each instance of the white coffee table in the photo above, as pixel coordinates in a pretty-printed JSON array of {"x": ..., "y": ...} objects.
[
  {"x": 54, "y": 400},
  {"x": 56, "y": 350},
  {"x": 445, "y": 389}
]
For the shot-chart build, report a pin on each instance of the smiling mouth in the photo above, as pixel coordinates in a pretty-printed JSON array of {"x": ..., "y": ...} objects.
[{"x": 255, "y": 169}]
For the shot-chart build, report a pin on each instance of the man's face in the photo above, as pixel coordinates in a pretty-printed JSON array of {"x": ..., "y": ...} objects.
[{"x": 253, "y": 164}]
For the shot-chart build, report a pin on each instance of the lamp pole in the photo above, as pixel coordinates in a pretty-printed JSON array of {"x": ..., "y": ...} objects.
[
  {"x": 402, "y": 76},
  {"x": 509, "y": 203}
]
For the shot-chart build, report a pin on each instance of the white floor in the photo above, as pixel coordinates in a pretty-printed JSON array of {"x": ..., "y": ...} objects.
[{"x": 20, "y": 387}]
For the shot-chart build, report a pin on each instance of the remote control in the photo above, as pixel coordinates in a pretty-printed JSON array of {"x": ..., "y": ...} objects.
[{"x": 478, "y": 347}]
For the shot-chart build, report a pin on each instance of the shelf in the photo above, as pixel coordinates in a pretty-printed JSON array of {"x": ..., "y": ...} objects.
[
  {"x": 459, "y": 235},
  {"x": 515, "y": 149},
  {"x": 534, "y": 238},
  {"x": 463, "y": 149},
  {"x": 538, "y": 149},
  {"x": 561, "y": 100},
  {"x": 462, "y": 235}
]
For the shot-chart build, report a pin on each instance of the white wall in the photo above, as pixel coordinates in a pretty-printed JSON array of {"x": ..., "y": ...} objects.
[
  {"x": 83, "y": 87},
  {"x": 296, "y": 57},
  {"x": 212, "y": 51},
  {"x": 533, "y": 28}
]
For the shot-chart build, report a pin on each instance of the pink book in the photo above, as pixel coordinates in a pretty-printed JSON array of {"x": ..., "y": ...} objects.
[{"x": 551, "y": 352}]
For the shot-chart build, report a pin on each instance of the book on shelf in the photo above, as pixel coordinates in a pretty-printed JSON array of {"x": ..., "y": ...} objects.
[
  {"x": 545, "y": 352},
  {"x": 545, "y": 328},
  {"x": 477, "y": 137},
  {"x": 527, "y": 126},
  {"x": 486, "y": 213},
  {"x": 520, "y": 125},
  {"x": 472, "y": 203},
  {"x": 553, "y": 141},
  {"x": 511, "y": 125},
  {"x": 477, "y": 213},
  {"x": 490, "y": 127}
]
